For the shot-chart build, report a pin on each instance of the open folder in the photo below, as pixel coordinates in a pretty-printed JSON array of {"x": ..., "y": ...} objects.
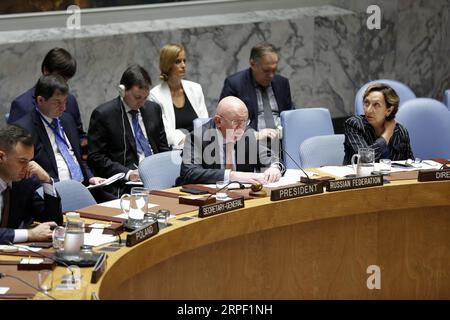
[{"x": 108, "y": 181}]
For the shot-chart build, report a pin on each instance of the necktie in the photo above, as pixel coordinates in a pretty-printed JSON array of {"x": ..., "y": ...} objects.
[
  {"x": 6, "y": 204},
  {"x": 268, "y": 116},
  {"x": 229, "y": 147},
  {"x": 141, "y": 142},
  {"x": 74, "y": 168}
]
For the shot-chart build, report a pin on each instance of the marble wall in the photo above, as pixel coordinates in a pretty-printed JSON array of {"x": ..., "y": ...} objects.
[{"x": 327, "y": 52}]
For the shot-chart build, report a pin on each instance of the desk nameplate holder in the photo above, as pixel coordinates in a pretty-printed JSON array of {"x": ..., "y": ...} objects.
[
  {"x": 295, "y": 191},
  {"x": 354, "y": 183},
  {"x": 433, "y": 175},
  {"x": 220, "y": 207},
  {"x": 141, "y": 234},
  {"x": 99, "y": 268}
]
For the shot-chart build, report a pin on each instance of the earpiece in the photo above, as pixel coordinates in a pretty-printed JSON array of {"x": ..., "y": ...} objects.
[{"x": 121, "y": 89}]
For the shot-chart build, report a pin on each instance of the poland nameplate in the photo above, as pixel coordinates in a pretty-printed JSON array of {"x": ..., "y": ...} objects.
[
  {"x": 142, "y": 234},
  {"x": 220, "y": 207},
  {"x": 355, "y": 183},
  {"x": 296, "y": 191}
]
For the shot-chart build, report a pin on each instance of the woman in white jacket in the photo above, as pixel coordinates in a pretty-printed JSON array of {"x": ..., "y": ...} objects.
[{"x": 181, "y": 101}]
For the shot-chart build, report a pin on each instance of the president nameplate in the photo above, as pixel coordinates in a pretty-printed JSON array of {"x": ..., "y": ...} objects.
[
  {"x": 433, "y": 175},
  {"x": 220, "y": 207},
  {"x": 296, "y": 191},
  {"x": 142, "y": 234},
  {"x": 354, "y": 183}
]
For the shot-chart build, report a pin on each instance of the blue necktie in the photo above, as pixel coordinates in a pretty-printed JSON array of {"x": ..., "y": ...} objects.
[
  {"x": 74, "y": 168},
  {"x": 141, "y": 142}
]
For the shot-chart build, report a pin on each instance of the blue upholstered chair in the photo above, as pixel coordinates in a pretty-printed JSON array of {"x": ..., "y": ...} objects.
[
  {"x": 447, "y": 98},
  {"x": 322, "y": 151},
  {"x": 402, "y": 90},
  {"x": 428, "y": 124},
  {"x": 74, "y": 195},
  {"x": 200, "y": 121},
  {"x": 300, "y": 124},
  {"x": 160, "y": 170}
]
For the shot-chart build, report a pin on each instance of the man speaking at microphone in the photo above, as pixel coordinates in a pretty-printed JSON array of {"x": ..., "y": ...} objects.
[{"x": 225, "y": 148}]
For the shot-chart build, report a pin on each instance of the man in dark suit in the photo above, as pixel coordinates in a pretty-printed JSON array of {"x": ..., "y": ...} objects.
[
  {"x": 265, "y": 93},
  {"x": 57, "y": 61},
  {"x": 125, "y": 130},
  {"x": 225, "y": 149},
  {"x": 20, "y": 204},
  {"x": 56, "y": 141}
]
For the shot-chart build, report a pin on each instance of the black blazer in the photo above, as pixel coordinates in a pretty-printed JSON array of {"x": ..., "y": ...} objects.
[
  {"x": 27, "y": 206},
  {"x": 112, "y": 147},
  {"x": 43, "y": 151},
  {"x": 196, "y": 168},
  {"x": 241, "y": 85}
]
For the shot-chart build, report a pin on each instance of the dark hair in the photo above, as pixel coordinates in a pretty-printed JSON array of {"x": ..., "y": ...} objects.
[
  {"x": 390, "y": 97},
  {"x": 135, "y": 75},
  {"x": 11, "y": 135},
  {"x": 48, "y": 85},
  {"x": 59, "y": 61},
  {"x": 261, "y": 49}
]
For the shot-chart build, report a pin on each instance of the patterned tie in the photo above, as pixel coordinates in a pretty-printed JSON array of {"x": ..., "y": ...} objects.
[
  {"x": 268, "y": 116},
  {"x": 6, "y": 204},
  {"x": 74, "y": 168},
  {"x": 141, "y": 142}
]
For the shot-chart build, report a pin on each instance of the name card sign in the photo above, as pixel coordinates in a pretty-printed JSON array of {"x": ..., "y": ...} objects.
[
  {"x": 296, "y": 191},
  {"x": 220, "y": 207},
  {"x": 99, "y": 268},
  {"x": 433, "y": 175},
  {"x": 142, "y": 234},
  {"x": 355, "y": 183}
]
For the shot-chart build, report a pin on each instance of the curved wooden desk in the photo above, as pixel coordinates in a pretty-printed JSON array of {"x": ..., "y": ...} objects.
[{"x": 316, "y": 247}]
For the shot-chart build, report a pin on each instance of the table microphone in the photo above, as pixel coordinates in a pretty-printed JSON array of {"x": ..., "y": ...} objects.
[
  {"x": 241, "y": 186},
  {"x": 307, "y": 177},
  {"x": 4, "y": 275}
]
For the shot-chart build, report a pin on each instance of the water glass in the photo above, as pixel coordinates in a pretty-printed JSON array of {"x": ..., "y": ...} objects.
[
  {"x": 385, "y": 166},
  {"x": 221, "y": 190},
  {"x": 58, "y": 236},
  {"x": 45, "y": 280}
]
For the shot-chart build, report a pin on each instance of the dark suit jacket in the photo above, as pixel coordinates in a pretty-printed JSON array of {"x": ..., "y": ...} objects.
[
  {"x": 202, "y": 164},
  {"x": 27, "y": 206},
  {"x": 241, "y": 85},
  {"x": 112, "y": 147},
  {"x": 43, "y": 151},
  {"x": 25, "y": 103}
]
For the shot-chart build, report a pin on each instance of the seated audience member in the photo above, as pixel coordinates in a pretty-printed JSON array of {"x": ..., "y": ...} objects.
[
  {"x": 57, "y": 146},
  {"x": 225, "y": 148},
  {"x": 20, "y": 204},
  {"x": 125, "y": 130},
  {"x": 57, "y": 61},
  {"x": 181, "y": 101},
  {"x": 265, "y": 93},
  {"x": 377, "y": 128}
]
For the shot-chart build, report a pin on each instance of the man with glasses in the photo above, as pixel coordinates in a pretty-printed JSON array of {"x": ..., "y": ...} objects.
[
  {"x": 225, "y": 148},
  {"x": 264, "y": 92}
]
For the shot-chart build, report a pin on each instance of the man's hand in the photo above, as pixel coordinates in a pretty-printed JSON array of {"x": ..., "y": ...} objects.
[
  {"x": 247, "y": 177},
  {"x": 272, "y": 174},
  {"x": 42, "y": 232},
  {"x": 134, "y": 176},
  {"x": 96, "y": 180},
  {"x": 35, "y": 170},
  {"x": 266, "y": 133}
]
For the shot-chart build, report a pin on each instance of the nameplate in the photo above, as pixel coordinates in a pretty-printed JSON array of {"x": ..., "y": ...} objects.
[
  {"x": 296, "y": 191},
  {"x": 142, "y": 234},
  {"x": 99, "y": 268},
  {"x": 220, "y": 207},
  {"x": 433, "y": 175},
  {"x": 355, "y": 183}
]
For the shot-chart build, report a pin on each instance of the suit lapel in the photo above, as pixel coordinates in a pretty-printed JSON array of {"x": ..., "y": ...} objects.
[
  {"x": 43, "y": 138},
  {"x": 128, "y": 132},
  {"x": 148, "y": 124}
]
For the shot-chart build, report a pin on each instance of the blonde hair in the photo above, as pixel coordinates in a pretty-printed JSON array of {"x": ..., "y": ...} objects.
[{"x": 167, "y": 57}]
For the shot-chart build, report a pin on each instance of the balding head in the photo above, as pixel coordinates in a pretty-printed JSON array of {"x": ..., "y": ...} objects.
[
  {"x": 231, "y": 117},
  {"x": 231, "y": 105}
]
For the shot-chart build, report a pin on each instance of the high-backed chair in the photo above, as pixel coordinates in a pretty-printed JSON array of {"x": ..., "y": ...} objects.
[
  {"x": 197, "y": 122},
  {"x": 160, "y": 170},
  {"x": 322, "y": 151},
  {"x": 300, "y": 124},
  {"x": 74, "y": 195},
  {"x": 447, "y": 98},
  {"x": 402, "y": 90},
  {"x": 428, "y": 124}
]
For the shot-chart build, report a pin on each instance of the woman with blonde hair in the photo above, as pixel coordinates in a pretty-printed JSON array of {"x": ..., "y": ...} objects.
[{"x": 181, "y": 100}]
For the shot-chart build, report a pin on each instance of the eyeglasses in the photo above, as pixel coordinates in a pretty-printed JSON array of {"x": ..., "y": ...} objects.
[{"x": 239, "y": 123}]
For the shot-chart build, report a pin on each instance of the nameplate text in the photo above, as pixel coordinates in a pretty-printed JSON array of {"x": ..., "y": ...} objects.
[
  {"x": 142, "y": 234},
  {"x": 296, "y": 191},
  {"x": 220, "y": 207},
  {"x": 433, "y": 175},
  {"x": 355, "y": 183}
]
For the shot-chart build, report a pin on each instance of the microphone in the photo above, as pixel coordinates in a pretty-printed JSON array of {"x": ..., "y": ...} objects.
[
  {"x": 307, "y": 177},
  {"x": 44, "y": 256},
  {"x": 4, "y": 275},
  {"x": 241, "y": 186}
]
